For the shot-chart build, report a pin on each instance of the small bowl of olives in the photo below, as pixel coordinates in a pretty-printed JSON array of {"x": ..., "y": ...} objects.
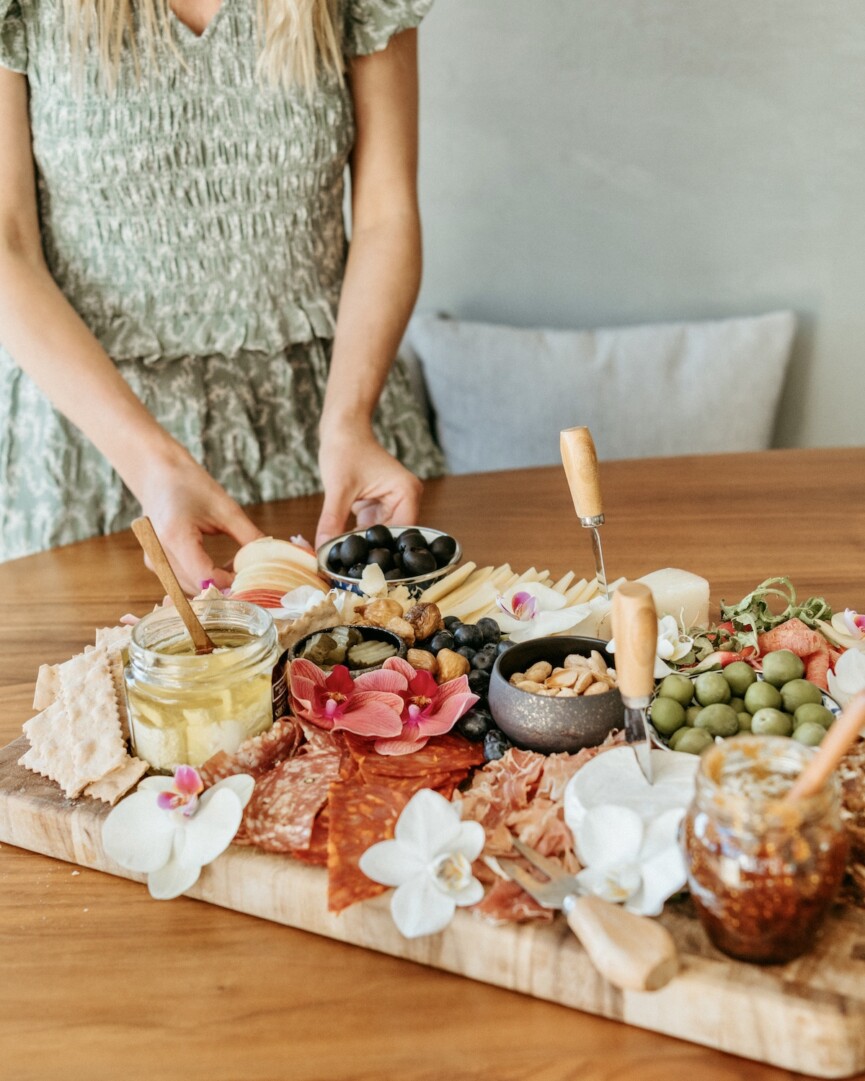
[
  {"x": 552, "y": 724},
  {"x": 412, "y": 556}
]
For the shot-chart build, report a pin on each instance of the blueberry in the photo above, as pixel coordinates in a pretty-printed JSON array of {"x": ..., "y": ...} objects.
[
  {"x": 469, "y": 635},
  {"x": 356, "y": 571},
  {"x": 383, "y": 557},
  {"x": 354, "y": 549},
  {"x": 496, "y": 744},
  {"x": 489, "y": 629},
  {"x": 452, "y": 621},
  {"x": 441, "y": 640},
  {"x": 475, "y": 724},
  {"x": 503, "y": 647},
  {"x": 443, "y": 548},
  {"x": 379, "y": 536},
  {"x": 464, "y": 651},
  {"x": 483, "y": 661},
  {"x": 479, "y": 682}
]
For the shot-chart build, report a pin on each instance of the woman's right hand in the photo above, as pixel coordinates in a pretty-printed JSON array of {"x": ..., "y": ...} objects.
[{"x": 185, "y": 504}]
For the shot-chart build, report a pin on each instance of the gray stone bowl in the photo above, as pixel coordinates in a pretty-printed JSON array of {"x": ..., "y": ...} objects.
[{"x": 546, "y": 724}]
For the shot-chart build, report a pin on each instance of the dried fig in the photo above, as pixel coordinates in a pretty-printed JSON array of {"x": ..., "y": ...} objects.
[
  {"x": 426, "y": 619},
  {"x": 423, "y": 660},
  {"x": 381, "y": 612},
  {"x": 451, "y": 665}
]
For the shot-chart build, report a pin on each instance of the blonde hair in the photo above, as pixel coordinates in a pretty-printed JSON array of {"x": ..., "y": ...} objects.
[{"x": 298, "y": 39}]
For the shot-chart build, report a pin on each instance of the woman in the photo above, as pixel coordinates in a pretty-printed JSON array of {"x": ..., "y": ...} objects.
[{"x": 172, "y": 265}]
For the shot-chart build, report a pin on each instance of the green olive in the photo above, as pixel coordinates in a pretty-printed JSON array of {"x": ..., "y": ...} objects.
[
  {"x": 738, "y": 704},
  {"x": 677, "y": 737},
  {"x": 780, "y": 666},
  {"x": 711, "y": 688},
  {"x": 810, "y": 733},
  {"x": 691, "y": 714},
  {"x": 744, "y": 721},
  {"x": 740, "y": 676},
  {"x": 796, "y": 692},
  {"x": 811, "y": 713},
  {"x": 718, "y": 720},
  {"x": 677, "y": 687},
  {"x": 771, "y": 722},
  {"x": 693, "y": 740},
  {"x": 667, "y": 715},
  {"x": 762, "y": 695}
]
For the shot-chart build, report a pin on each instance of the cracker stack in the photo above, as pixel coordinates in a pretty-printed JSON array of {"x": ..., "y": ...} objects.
[{"x": 79, "y": 737}]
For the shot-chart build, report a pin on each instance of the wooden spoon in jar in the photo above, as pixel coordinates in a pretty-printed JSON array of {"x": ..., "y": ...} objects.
[
  {"x": 835, "y": 743},
  {"x": 146, "y": 535}
]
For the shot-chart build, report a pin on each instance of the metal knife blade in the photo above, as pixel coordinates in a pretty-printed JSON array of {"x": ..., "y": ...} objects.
[
  {"x": 600, "y": 572},
  {"x": 635, "y": 629}
]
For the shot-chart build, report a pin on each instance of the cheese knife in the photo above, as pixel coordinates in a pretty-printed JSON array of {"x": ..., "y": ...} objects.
[
  {"x": 581, "y": 469},
  {"x": 635, "y": 630}
]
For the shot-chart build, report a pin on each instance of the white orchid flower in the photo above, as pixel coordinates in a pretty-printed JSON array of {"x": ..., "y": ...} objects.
[
  {"x": 169, "y": 828},
  {"x": 629, "y": 861},
  {"x": 430, "y": 863},
  {"x": 673, "y": 645},
  {"x": 532, "y": 610},
  {"x": 849, "y": 676}
]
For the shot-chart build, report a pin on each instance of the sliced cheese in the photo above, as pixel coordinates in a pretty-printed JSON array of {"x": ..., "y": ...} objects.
[
  {"x": 680, "y": 594},
  {"x": 443, "y": 586}
]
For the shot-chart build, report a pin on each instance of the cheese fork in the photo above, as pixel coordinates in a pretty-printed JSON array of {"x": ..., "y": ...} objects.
[{"x": 632, "y": 952}]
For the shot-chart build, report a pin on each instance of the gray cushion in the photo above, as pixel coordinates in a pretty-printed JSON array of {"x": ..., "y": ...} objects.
[{"x": 501, "y": 395}]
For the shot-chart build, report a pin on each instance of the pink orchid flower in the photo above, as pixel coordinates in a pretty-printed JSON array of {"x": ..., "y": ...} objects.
[
  {"x": 184, "y": 792},
  {"x": 429, "y": 709},
  {"x": 855, "y": 623},
  {"x": 369, "y": 705}
]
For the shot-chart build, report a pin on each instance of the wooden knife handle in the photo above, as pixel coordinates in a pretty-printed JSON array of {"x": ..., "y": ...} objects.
[
  {"x": 635, "y": 629},
  {"x": 581, "y": 469},
  {"x": 630, "y": 951}
]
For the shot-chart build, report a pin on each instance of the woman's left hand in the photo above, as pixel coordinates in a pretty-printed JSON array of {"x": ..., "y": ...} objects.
[{"x": 361, "y": 478}]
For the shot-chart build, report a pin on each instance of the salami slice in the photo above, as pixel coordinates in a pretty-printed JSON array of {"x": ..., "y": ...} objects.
[
  {"x": 257, "y": 755},
  {"x": 280, "y": 815}
]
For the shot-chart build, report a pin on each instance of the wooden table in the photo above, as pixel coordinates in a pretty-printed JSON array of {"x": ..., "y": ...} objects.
[{"x": 98, "y": 981}]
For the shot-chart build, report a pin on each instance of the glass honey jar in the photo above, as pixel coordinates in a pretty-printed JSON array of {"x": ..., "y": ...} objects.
[
  {"x": 762, "y": 871},
  {"x": 185, "y": 707}
]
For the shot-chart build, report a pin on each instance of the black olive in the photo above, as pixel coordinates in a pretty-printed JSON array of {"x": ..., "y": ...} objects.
[
  {"x": 490, "y": 629},
  {"x": 379, "y": 536},
  {"x": 383, "y": 557},
  {"x": 393, "y": 575},
  {"x": 475, "y": 724},
  {"x": 417, "y": 561},
  {"x": 333, "y": 561},
  {"x": 410, "y": 538},
  {"x": 356, "y": 571},
  {"x": 354, "y": 549},
  {"x": 443, "y": 548},
  {"x": 496, "y": 744},
  {"x": 441, "y": 640},
  {"x": 469, "y": 635}
]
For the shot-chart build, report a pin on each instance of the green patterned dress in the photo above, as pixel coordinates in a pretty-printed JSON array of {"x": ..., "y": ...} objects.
[{"x": 194, "y": 220}]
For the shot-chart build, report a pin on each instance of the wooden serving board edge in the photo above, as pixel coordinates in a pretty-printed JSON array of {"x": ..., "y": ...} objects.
[{"x": 764, "y": 1014}]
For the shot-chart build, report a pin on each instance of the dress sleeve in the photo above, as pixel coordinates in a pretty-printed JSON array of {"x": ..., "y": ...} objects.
[
  {"x": 13, "y": 40},
  {"x": 370, "y": 24}
]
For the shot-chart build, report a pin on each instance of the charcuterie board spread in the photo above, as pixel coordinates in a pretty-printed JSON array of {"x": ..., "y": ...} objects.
[{"x": 397, "y": 751}]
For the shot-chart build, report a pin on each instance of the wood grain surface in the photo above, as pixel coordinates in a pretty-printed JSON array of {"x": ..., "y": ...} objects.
[{"x": 99, "y": 981}]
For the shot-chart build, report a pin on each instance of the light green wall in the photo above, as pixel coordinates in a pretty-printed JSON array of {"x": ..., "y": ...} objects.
[{"x": 608, "y": 162}]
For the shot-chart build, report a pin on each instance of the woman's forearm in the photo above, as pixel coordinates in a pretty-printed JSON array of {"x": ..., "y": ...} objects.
[
  {"x": 50, "y": 342},
  {"x": 381, "y": 285}
]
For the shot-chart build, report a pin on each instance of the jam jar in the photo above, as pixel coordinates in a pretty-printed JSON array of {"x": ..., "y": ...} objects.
[
  {"x": 184, "y": 707},
  {"x": 762, "y": 871}
]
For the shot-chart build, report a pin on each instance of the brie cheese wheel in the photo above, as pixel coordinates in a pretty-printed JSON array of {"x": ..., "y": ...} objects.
[{"x": 680, "y": 594}]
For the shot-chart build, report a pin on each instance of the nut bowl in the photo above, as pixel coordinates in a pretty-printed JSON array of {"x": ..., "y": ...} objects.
[
  {"x": 415, "y": 583},
  {"x": 549, "y": 724}
]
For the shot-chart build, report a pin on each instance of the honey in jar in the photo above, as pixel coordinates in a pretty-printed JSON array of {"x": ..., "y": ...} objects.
[
  {"x": 762, "y": 870},
  {"x": 184, "y": 707}
]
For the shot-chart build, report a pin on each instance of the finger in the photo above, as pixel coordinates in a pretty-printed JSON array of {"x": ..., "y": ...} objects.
[
  {"x": 333, "y": 517},
  {"x": 237, "y": 525},
  {"x": 403, "y": 510}
]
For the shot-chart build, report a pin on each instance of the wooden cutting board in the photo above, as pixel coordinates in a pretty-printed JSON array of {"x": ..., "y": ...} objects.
[{"x": 807, "y": 1016}]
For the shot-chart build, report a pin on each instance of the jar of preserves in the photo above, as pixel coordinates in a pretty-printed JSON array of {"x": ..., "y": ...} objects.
[
  {"x": 762, "y": 870},
  {"x": 184, "y": 707}
]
